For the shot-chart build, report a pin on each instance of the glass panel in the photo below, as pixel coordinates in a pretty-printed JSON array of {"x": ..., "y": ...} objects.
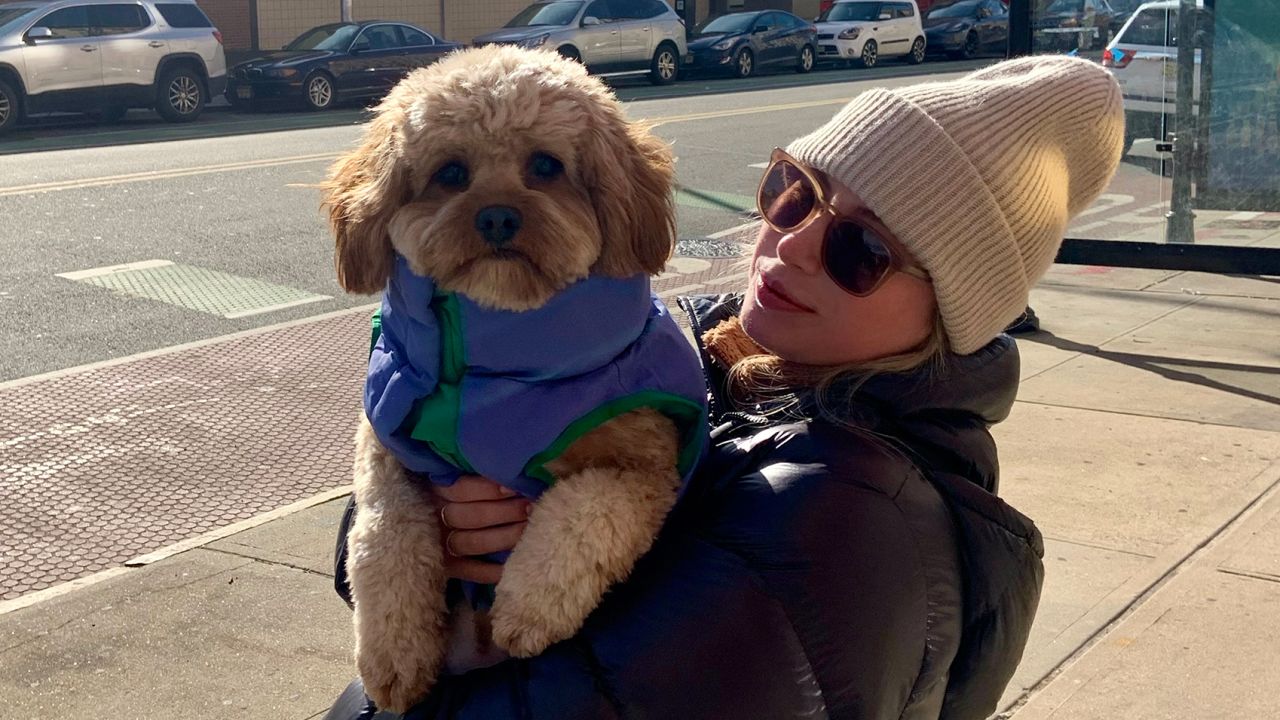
[
  {"x": 1202, "y": 103},
  {"x": 72, "y": 22},
  {"x": 120, "y": 19}
]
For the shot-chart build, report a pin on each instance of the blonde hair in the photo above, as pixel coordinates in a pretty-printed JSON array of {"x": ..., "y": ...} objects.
[{"x": 778, "y": 386}]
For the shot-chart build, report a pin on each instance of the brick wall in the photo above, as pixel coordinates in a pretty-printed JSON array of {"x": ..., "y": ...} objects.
[
  {"x": 280, "y": 21},
  {"x": 233, "y": 20},
  {"x": 423, "y": 13},
  {"x": 465, "y": 19}
]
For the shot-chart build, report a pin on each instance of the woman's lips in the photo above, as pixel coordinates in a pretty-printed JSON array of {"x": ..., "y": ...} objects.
[{"x": 771, "y": 296}]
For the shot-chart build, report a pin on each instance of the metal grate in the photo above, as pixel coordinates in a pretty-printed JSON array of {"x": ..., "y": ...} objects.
[{"x": 194, "y": 288}]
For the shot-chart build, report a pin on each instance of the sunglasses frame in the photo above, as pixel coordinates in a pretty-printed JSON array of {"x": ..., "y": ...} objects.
[{"x": 822, "y": 206}]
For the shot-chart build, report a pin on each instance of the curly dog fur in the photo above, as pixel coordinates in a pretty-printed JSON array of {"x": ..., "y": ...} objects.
[{"x": 594, "y": 193}]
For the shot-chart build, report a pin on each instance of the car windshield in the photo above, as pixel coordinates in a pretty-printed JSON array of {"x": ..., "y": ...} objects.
[
  {"x": 841, "y": 12},
  {"x": 325, "y": 37},
  {"x": 552, "y": 13},
  {"x": 727, "y": 25},
  {"x": 959, "y": 10},
  {"x": 13, "y": 14}
]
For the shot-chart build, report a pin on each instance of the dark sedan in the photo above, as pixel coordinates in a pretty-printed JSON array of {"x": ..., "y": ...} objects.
[
  {"x": 331, "y": 63},
  {"x": 967, "y": 29},
  {"x": 1073, "y": 25},
  {"x": 742, "y": 42}
]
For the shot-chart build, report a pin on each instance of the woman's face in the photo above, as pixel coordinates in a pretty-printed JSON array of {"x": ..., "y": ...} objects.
[{"x": 795, "y": 310}]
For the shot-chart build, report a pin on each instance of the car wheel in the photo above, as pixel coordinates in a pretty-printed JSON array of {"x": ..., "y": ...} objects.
[
  {"x": 744, "y": 63},
  {"x": 805, "y": 63},
  {"x": 970, "y": 49},
  {"x": 665, "y": 66},
  {"x": 571, "y": 53},
  {"x": 870, "y": 54},
  {"x": 917, "y": 52},
  {"x": 8, "y": 107},
  {"x": 318, "y": 91},
  {"x": 181, "y": 95}
]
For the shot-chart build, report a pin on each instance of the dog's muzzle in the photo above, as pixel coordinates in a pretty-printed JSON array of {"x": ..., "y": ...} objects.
[{"x": 498, "y": 224}]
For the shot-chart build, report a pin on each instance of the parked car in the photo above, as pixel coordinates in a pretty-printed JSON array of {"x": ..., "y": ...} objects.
[
  {"x": 867, "y": 30},
  {"x": 967, "y": 29},
  {"x": 103, "y": 57},
  {"x": 741, "y": 43},
  {"x": 1144, "y": 59},
  {"x": 332, "y": 63},
  {"x": 610, "y": 37},
  {"x": 1074, "y": 25}
]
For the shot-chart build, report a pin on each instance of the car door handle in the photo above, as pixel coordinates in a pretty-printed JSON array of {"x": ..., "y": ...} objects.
[
  {"x": 88, "y": 48},
  {"x": 155, "y": 44}
]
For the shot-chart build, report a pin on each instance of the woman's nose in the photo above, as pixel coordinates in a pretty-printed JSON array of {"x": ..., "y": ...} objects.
[{"x": 802, "y": 249}]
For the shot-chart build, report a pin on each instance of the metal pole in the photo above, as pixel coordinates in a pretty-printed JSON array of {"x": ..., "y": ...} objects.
[
  {"x": 346, "y": 10},
  {"x": 1180, "y": 221}
]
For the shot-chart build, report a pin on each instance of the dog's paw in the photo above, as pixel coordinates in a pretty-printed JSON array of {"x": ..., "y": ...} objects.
[
  {"x": 523, "y": 630},
  {"x": 395, "y": 683}
]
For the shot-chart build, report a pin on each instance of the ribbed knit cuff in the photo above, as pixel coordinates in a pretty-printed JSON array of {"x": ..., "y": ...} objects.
[{"x": 912, "y": 175}]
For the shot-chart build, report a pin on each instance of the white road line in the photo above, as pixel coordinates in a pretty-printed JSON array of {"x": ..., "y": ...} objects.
[
  {"x": 273, "y": 308},
  {"x": 1247, "y": 215},
  {"x": 113, "y": 269}
]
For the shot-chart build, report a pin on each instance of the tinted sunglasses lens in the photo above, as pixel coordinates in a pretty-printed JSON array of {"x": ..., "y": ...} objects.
[
  {"x": 855, "y": 257},
  {"x": 786, "y": 195}
]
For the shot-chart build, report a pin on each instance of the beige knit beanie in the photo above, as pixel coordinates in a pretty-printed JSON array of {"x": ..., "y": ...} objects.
[{"x": 979, "y": 176}]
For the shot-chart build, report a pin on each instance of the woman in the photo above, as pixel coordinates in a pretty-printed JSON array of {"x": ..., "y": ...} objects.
[{"x": 842, "y": 552}]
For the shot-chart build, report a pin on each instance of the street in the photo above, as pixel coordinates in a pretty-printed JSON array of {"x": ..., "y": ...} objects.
[{"x": 229, "y": 229}]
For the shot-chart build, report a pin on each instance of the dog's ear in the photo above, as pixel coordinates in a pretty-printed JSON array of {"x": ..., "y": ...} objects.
[
  {"x": 363, "y": 191},
  {"x": 629, "y": 171}
]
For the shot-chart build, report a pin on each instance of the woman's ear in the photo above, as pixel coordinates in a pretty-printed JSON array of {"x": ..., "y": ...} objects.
[
  {"x": 363, "y": 191},
  {"x": 629, "y": 172}
]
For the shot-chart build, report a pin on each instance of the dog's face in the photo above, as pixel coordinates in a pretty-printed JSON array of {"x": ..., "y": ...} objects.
[{"x": 505, "y": 175}]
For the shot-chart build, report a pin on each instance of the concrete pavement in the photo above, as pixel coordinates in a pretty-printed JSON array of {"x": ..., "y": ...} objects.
[{"x": 1145, "y": 443}]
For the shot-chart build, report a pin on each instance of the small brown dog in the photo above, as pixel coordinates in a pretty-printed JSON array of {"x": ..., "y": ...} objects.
[{"x": 579, "y": 191}]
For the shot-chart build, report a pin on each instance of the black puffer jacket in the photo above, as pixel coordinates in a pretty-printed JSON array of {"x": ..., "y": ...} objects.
[{"x": 808, "y": 572}]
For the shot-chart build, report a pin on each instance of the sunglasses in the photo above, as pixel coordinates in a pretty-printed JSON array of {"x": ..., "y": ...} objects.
[{"x": 855, "y": 255}]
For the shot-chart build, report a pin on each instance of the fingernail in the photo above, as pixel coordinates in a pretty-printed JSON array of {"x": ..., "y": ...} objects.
[
  {"x": 507, "y": 492},
  {"x": 528, "y": 509}
]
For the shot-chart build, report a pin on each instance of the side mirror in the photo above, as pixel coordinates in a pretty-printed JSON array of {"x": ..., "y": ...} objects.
[
  {"x": 984, "y": 13},
  {"x": 39, "y": 33},
  {"x": 886, "y": 16},
  {"x": 589, "y": 20}
]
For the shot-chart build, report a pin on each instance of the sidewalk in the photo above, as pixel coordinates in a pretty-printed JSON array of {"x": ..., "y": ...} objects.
[{"x": 1145, "y": 443}]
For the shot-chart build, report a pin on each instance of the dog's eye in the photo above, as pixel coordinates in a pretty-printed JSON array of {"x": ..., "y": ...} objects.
[
  {"x": 453, "y": 175},
  {"x": 545, "y": 167}
]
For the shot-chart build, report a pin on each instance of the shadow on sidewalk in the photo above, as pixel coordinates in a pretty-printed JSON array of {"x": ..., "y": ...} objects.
[{"x": 1158, "y": 364}]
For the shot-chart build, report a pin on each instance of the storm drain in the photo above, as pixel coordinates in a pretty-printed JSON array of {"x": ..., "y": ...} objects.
[{"x": 194, "y": 288}]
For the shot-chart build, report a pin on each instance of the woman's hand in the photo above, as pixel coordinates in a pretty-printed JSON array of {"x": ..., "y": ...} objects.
[{"x": 479, "y": 517}]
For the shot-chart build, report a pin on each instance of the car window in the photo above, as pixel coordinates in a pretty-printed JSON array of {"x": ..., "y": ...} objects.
[
  {"x": 377, "y": 37},
  {"x": 120, "y": 19},
  {"x": 601, "y": 10},
  {"x": 903, "y": 10},
  {"x": 654, "y": 8},
  {"x": 414, "y": 37},
  {"x": 627, "y": 9},
  {"x": 69, "y": 22},
  {"x": 1152, "y": 27},
  {"x": 552, "y": 13},
  {"x": 997, "y": 8},
  {"x": 851, "y": 11},
  {"x": 183, "y": 15}
]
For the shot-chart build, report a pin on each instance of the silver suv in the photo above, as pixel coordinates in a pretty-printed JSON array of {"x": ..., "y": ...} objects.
[
  {"x": 106, "y": 56},
  {"x": 611, "y": 37}
]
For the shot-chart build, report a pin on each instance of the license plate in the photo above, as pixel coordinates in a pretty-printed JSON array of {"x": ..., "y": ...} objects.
[{"x": 244, "y": 93}]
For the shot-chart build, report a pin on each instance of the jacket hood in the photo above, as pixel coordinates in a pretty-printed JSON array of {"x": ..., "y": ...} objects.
[{"x": 983, "y": 384}]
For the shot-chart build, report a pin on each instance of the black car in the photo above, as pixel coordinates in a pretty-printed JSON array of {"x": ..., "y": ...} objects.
[
  {"x": 741, "y": 42},
  {"x": 330, "y": 63},
  {"x": 1066, "y": 25},
  {"x": 968, "y": 28}
]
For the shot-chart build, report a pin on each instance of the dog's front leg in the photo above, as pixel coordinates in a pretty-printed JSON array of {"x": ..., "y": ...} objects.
[
  {"x": 396, "y": 567},
  {"x": 615, "y": 487}
]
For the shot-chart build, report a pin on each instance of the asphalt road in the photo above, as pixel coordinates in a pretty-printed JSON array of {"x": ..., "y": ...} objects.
[{"x": 233, "y": 216}]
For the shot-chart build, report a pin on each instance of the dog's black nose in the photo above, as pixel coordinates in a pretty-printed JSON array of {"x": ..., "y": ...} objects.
[{"x": 498, "y": 224}]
